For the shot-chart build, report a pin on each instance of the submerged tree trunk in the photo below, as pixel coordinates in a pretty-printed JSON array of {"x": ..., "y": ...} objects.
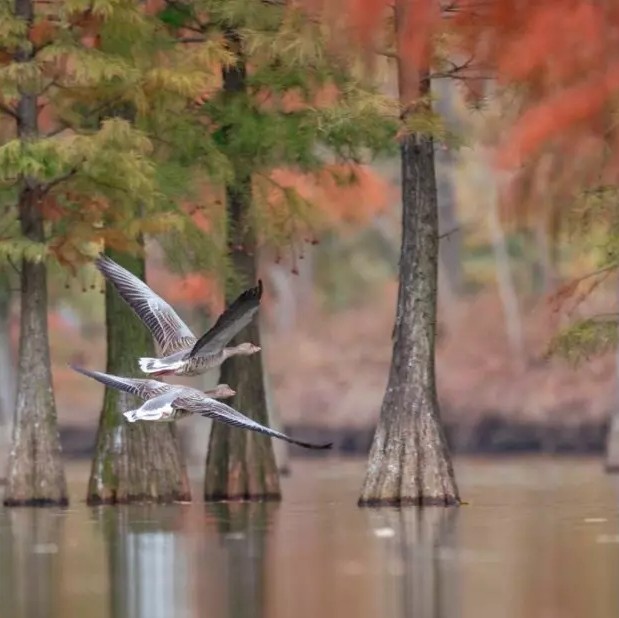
[
  {"x": 35, "y": 475},
  {"x": 409, "y": 460},
  {"x": 133, "y": 462},
  {"x": 240, "y": 465}
]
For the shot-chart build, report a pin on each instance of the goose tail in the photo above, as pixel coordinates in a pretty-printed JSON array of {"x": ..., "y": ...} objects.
[
  {"x": 131, "y": 415},
  {"x": 156, "y": 366}
]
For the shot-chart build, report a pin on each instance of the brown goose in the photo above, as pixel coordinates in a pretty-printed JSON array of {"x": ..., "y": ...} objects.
[
  {"x": 182, "y": 353},
  {"x": 169, "y": 402}
]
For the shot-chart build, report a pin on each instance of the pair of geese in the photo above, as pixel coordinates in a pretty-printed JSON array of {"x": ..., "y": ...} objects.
[{"x": 182, "y": 354}]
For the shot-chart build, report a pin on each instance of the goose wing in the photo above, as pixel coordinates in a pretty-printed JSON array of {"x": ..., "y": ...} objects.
[
  {"x": 219, "y": 411},
  {"x": 169, "y": 331},
  {"x": 230, "y": 322},
  {"x": 145, "y": 389}
]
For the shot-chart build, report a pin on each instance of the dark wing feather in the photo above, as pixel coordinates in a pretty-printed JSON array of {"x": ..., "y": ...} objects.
[
  {"x": 230, "y": 322},
  {"x": 219, "y": 411},
  {"x": 169, "y": 331},
  {"x": 145, "y": 389}
]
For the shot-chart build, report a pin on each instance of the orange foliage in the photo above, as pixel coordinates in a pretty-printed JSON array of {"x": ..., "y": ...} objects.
[
  {"x": 562, "y": 57},
  {"x": 194, "y": 290},
  {"x": 343, "y": 194}
]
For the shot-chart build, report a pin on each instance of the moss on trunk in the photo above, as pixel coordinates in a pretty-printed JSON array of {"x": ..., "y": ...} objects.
[
  {"x": 409, "y": 460},
  {"x": 133, "y": 462}
]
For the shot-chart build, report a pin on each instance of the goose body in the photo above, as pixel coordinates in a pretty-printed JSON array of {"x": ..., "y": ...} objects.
[
  {"x": 169, "y": 402},
  {"x": 182, "y": 353}
]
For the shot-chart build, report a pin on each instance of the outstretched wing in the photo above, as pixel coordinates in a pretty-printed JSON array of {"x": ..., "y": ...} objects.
[
  {"x": 169, "y": 331},
  {"x": 145, "y": 389},
  {"x": 232, "y": 321},
  {"x": 211, "y": 408}
]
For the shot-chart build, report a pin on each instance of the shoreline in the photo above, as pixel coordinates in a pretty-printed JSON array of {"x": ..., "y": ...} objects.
[{"x": 491, "y": 435}]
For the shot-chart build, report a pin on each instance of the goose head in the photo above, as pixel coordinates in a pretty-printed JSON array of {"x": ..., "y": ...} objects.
[{"x": 221, "y": 391}]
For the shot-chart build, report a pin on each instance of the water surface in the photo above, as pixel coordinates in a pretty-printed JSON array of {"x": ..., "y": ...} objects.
[{"x": 539, "y": 537}]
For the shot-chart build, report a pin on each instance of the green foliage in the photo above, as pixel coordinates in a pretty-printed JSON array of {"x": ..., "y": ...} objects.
[
  {"x": 586, "y": 338},
  {"x": 101, "y": 175}
]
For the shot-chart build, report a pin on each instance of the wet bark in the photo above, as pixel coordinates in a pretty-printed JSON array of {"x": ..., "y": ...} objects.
[
  {"x": 35, "y": 474},
  {"x": 409, "y": 461},
  {"x": 240, "y": 465},
  {"x": 133, "y": 462}
]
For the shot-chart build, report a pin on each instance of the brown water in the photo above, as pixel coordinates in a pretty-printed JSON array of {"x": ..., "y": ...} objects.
[{"x": 540, "y": 538}]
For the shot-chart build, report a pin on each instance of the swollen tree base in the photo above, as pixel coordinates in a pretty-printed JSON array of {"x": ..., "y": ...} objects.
[
  {"x": 133, "y": 462},
  {"x": 409, "y": 462},
  {"x": 35, "y": 474}
]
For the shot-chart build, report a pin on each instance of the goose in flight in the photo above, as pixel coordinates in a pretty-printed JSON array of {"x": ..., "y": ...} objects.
[
  {"x": 170, "y": 402},
  {"x": 182, "y": 354}
]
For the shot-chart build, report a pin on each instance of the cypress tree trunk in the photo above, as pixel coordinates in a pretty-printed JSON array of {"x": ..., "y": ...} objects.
[
  {"x": 35, "y": 475},
  {"x": 240, "y": 465},
  {"x": 7, "y": 368},
  {"x": 409, "y": 460},
  {"x": 133, "y": 462}
]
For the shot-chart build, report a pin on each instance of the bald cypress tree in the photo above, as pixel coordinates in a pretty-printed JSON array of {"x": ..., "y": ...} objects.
[
  {"x": 285, "y": 101},
  {"x": 71, "y": 181}
]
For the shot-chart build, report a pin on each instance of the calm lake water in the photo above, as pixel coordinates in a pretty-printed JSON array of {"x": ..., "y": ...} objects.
[{"x": 539, "y": 538}]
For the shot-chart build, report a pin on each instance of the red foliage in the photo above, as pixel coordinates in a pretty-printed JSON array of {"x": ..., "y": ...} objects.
[
  {"x": 560, "y": 57},
  {"x": 343, "y": 194}
]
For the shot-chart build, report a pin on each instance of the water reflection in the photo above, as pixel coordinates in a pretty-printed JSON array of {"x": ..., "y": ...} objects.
[
  {"x": 148, "y": 561},
  {"x": 242, "y": 537},
  {"x": 30, "y": 556},
  {"x": 420, "y": 580},
  {"x": 538, "y": 538}
]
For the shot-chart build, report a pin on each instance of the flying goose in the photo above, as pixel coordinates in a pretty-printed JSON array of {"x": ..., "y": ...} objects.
[
  {"x": 170, "y": 402},
  {"x": 182, "y": 353}
]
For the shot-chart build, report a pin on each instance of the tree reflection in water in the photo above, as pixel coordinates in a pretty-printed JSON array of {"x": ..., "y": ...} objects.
[
  {"x": 242, "y": 529},
  {"x": 30, "y": 557},
  {"x": 421, "y": 577},
  {"x": 148, "y": 560}
]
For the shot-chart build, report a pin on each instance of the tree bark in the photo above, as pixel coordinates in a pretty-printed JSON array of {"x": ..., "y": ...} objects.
[
  {"x": 35, "y": 474},
  {"x": 240, "y": 465},
  {"x": 7, "y": 367},
  {"x": 133, "y": 462},
  {"x": 409, "y": 461}
]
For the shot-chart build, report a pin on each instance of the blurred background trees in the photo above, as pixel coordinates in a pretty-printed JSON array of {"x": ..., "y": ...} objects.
[{"x": 136, "y": 137}]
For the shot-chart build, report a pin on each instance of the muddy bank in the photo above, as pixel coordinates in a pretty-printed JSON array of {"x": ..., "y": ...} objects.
[{"x": 493, "y": 435}]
